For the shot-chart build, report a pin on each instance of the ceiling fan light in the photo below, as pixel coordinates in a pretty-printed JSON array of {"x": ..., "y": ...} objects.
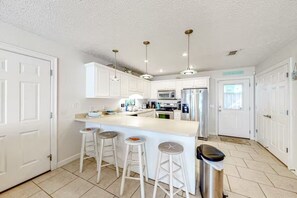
[{"x": 146, "y": 76}]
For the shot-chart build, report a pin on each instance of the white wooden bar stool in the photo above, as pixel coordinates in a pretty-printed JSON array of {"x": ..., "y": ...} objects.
[
  {"x": 171, "y": 149},
  {"x": 87, "y": 144},
  {"x": 139, "y": 142},
  {"x": 108, "y": 135}
]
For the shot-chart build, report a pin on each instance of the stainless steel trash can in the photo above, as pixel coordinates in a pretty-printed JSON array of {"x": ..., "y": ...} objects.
[{"x": 211, "y": 179}]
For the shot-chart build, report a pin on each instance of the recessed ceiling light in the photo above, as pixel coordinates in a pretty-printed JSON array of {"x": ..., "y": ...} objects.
[
  {"x": 185, "y": 54},
  {"x": 146, "y": 61},
  {"x": 161, "y": 70}
]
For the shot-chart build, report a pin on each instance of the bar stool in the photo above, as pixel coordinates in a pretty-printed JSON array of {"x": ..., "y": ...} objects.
[
  {"x": 84, "y": 145},
  {"x": 108, "y": 135},
  {"x": 171, "y": 149},
  {"x": 139, "y": 142}
]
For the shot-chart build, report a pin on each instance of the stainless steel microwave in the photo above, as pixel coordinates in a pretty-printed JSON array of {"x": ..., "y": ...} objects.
[{"x": 166, "y": 95}]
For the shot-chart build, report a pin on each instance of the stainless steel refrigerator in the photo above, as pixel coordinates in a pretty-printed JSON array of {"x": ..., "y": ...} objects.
[{"x": 194, "y": 107}]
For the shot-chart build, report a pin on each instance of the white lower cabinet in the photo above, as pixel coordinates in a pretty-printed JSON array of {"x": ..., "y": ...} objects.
[
  {"x": 150, "y": 114},
  {"x": 177, "y": 114}
]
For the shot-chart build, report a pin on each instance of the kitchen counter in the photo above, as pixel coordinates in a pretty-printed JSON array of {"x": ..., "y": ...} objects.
[
  {"x": 155, "y": 131},
  {"x": 175, "y": 127},
  {"x": 140, "y": 111}
]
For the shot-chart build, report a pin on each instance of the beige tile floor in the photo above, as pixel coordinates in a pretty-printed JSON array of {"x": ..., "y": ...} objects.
[{"x": 250, "y": 171}]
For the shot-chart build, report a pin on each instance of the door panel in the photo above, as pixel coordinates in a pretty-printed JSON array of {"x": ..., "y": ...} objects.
[
  {"x": 234, "y": 108},
  {"x": 24, "y": 118},
  {"x": 273, "y": 88}
]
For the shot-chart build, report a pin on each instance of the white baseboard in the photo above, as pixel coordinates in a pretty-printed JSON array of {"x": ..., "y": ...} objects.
[{"x": 68, "y": 160}]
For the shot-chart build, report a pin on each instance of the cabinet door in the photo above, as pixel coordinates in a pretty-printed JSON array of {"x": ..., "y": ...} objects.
[
  {"x": 166, "y": 85},
  {"x": 200, "y": 83},
  {"x": 178, "y": 88},
  {"x": 115, "y": 86},
  {"x": 154, "y": 89},
  {"x": 177, "y": 115},
  {"x": 139, "y": 85},
  {"x": 102, "y": 82},
  {"x": 146, "y": 89},
  {"x": 124, "y": 86},
  {"x": 132, "y": 86},
  {"x": 188, "y": 83}
]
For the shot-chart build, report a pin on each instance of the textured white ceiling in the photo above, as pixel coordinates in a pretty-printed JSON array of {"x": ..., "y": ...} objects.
[{"x": 257, "y": 27}]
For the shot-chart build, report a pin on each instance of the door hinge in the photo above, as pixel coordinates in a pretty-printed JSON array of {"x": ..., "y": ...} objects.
[
  {"x": 249, "y": 84},
  {"x": 287, "y": 150},
  {"x": 250, "y": 131},
  {"x": 51, "y": 115},
  {"x": 256, "y": 130},
  {"x": 287, "y": 112},
  {"x": 287, "y": 74},
  {"x": 50, "y": 156},
  {"x": 51, "y": 72}
]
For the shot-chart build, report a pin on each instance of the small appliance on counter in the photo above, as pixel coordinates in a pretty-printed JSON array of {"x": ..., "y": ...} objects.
[{"x": 194, "y": 107}]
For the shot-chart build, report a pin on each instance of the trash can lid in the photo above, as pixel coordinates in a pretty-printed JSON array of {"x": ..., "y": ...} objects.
[{"x": 210, "y": 153}]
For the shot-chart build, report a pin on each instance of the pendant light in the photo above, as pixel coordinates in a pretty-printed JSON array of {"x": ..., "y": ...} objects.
[
  {"x": 146, "y": 75},
  {"x": 189, "y": 70},
  {"x": 115, "y": 78}
]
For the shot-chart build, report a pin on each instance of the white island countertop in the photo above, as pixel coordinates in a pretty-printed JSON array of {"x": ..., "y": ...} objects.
[{"x": 165, "y": 126}]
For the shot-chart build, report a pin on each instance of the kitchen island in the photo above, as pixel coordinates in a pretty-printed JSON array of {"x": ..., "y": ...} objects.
[{"x": 155, "y": 131}]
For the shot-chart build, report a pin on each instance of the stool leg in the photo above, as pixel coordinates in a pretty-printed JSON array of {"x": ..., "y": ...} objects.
[
  {"x": 145, "y": 162},
  {"x": 82, "y": 153},
  {"x": 157, "y": 174},
  {"x": 170, "y": 176},
  {"x": 184, "y": 175},
  {"x": 125, "y": 170},
  {"x": 99, "y": 163},
  {"x": 130, "y": 156},
  {"x": 141, "y": 171},
  {"x": 115, "y": 156},
  {"x": 96, "y": 147}
]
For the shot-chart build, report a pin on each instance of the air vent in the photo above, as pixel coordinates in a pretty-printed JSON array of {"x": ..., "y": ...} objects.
[{"x": 232, "y": 53}]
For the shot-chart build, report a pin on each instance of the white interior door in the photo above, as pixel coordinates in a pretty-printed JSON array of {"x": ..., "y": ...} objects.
[
  {"x": 234, "y": 108},
  {"x": 24, "y": 118},
  {"x": 272, "y": 112}
]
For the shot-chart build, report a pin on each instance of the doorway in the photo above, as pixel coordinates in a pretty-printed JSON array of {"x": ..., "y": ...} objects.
[
  {"x": 27, "y": 107},
  {"x": 234, "y": 108}
]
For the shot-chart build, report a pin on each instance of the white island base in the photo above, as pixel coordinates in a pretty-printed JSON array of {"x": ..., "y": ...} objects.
[{"x": 153, "y": 139}]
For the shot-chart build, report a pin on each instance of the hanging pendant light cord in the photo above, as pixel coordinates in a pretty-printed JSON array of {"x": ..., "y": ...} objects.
[
  {"x": 115, "y": 67},
  {"x": 188, "y": 51},
  {"x": 146, "y": 59}
]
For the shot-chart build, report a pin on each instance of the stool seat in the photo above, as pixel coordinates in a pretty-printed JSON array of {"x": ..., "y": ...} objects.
[
  {"x": 135, "y": 140},
  {"x": 88, "y": 130},
  {"x": 171, "y": 148},
  {"x": 108, "y": 135}
]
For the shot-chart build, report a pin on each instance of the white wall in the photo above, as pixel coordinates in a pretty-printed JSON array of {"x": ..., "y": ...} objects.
[
  {"x": 71, "y": 84},
  {"x": 214, "y": 76},
  {"x": 286, "y": 52}
]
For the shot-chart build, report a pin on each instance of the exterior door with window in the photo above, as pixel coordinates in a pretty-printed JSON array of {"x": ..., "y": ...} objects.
[{"x": 234, "y": 108}]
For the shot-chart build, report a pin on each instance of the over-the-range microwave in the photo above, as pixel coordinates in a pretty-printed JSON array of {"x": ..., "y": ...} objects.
[{"x": 166, "y": 95}]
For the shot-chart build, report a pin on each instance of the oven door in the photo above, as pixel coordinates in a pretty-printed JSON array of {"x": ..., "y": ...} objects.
[{"x": 164, "y": 115}]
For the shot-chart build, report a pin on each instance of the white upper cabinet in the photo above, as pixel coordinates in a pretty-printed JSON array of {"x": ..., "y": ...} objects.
[
  {"x": 99, "y": 83},
  {"x": 124, "y": 85},
  {"x": 114, "y": 86},
  {"x": 178, "y": 85}
]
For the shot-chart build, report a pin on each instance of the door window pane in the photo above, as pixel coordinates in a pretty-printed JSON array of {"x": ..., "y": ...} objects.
[{"x": 233, "y": 96}]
